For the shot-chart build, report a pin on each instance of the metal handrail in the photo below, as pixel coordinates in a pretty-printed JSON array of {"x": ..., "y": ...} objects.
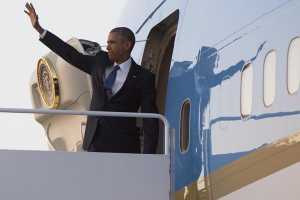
[{"x": 97, "y": 114}]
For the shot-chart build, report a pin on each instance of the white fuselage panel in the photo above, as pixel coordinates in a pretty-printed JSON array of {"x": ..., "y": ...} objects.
[{"x": 60, "y": 175}]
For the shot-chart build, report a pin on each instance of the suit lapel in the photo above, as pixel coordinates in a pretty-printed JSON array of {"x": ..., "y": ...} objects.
[
  {"x": 130, "y": 76},
  {"x": 99, "y": 74}
]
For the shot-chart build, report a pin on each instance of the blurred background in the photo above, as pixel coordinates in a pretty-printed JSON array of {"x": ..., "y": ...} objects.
[{"x": 20, "y": 50}]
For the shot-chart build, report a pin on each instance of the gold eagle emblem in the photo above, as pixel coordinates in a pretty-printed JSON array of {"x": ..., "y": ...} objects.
[{"x": 48, "y": 83}]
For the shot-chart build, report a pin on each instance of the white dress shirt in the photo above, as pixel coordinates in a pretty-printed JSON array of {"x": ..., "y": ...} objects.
[
  {"x": 121, "y": 75},
  {"x": 42, "y": 35}
]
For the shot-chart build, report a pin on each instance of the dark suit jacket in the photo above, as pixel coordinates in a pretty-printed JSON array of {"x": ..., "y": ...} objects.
[{"x": 108, "y": 134}]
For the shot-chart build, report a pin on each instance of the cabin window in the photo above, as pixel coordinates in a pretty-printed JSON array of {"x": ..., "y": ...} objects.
[
  {"x": 185, "y": 126},
  {"x": 294, "y": 65},
  {"x": 269, "y": 78},
  {"x": 246, "y": 90}
]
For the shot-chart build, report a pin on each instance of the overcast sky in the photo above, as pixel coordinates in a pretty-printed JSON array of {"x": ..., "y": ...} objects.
[{"x": 20, "y": 50}]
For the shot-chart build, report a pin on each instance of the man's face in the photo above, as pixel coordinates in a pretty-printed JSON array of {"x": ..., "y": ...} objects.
[{"x": 118, "y": 47}]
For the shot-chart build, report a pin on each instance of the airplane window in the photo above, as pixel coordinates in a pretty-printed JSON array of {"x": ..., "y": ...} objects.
[
  {"x": 294, "y": 65},
  {"x": 269, "y": 78},
  {"x": 185, "y": 126},
  {"x": 246, "y": 90}
]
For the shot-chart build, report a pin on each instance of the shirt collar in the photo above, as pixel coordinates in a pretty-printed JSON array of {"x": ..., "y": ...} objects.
[{"x": 125, "y": 65}]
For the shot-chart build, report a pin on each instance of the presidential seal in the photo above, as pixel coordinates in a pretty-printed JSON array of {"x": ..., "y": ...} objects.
[{"x": 48, "y": 83}]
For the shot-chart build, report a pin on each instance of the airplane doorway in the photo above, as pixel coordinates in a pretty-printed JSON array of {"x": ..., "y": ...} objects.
[{"x": 157, "y": 58}]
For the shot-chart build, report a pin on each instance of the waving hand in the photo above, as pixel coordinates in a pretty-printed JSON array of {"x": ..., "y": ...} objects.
[{"x": 33, "y": 17}]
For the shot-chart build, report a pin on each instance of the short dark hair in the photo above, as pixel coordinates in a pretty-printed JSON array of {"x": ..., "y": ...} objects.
[{"x": 126, "y": 33}]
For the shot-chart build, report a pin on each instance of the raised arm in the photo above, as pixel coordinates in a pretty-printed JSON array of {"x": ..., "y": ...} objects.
[{"x": 61, "y": 48}]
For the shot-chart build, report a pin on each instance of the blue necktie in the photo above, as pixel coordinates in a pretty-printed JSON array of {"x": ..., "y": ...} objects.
[{"x": 110, "y": 80}]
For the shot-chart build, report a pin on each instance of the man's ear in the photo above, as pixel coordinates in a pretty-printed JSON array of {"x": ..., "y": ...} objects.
[{"x": 128, "y": 45}]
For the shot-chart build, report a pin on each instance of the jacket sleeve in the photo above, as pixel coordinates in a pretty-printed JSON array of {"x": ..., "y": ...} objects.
[
  {"x": 69, "y": 53},
  {"x": 148, "y": 105}
]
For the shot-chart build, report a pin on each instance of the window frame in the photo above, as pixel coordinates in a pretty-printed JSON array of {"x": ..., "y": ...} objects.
[
  {"x": 246, "y": 65},
  {"x": 287, "y": 69},
  {"x": 185, "y": 102},
  {"x": 264, "y": 78}
]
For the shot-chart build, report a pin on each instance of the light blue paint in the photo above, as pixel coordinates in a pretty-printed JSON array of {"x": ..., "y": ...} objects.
[
  {"x": 195, "y": 80},
  {"x": 215, "y": 39}
]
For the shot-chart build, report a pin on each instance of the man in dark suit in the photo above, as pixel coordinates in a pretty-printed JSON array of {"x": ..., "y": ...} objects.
[{"x": 118, "y": 84}]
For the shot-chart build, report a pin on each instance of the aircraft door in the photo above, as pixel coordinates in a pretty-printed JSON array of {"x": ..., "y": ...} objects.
[
  {"x": 58, "y": 85},
  {"x": 157, "y": 58}
]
